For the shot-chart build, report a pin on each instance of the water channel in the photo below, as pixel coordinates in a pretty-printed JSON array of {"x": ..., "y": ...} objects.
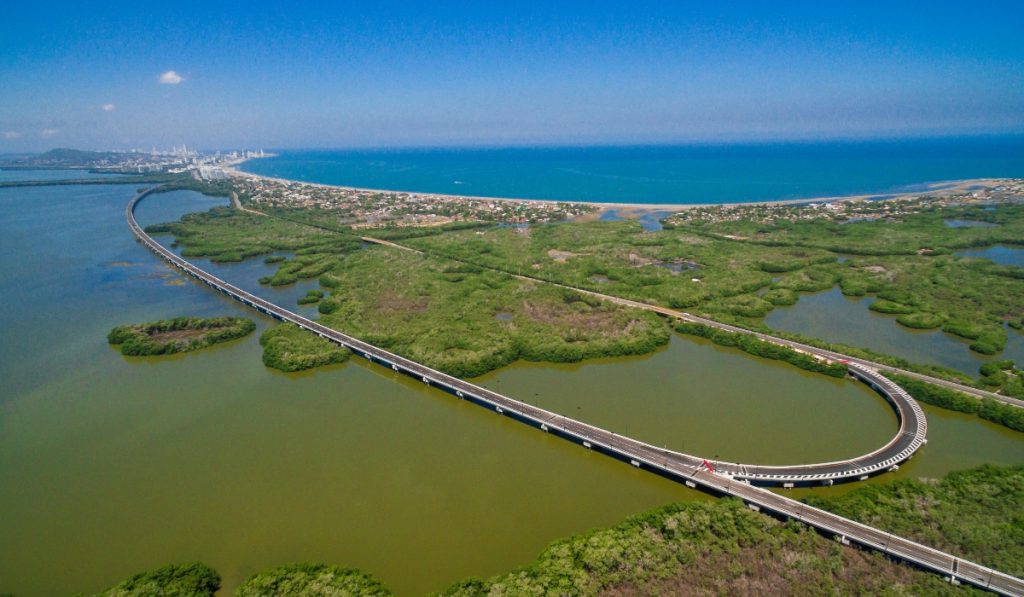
[
  {"x": 831, "y": 316},
  {"x": 114, "y": 465}
]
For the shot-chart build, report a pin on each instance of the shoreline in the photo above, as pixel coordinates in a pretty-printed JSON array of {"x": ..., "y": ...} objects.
[{"x": 630, "y": 210}]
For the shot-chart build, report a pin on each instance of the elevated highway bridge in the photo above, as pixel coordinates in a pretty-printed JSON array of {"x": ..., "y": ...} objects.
[{"x": 727, "y": 479}]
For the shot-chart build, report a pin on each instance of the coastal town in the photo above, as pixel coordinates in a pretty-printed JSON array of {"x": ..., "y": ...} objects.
[
  {"x": 362, "y": 208},
  {"x": 177, "y": 159},
  {"x": 368, "y": 208},
  {"x": 858, "y": 209}
]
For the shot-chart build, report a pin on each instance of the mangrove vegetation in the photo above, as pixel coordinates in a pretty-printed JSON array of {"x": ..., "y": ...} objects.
[
  {"x": 298, "y": 580},
  {"x": 174, "y": 580},
  {"x": 181, "y": 334},
  {"x": 466, "y": 304},
  {"x": 287, "y": 347},
  {"x": 757, "y": 347},
  {"x": 976, "y": 513},
  {"x": 466, "y": 321}
]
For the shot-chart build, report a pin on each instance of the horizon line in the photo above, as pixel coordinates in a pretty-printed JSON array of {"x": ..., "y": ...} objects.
[{"x": 588, "y": 145}]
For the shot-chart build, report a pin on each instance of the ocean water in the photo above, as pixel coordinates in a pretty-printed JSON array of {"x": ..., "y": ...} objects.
[{"x": 661, "y": 174}]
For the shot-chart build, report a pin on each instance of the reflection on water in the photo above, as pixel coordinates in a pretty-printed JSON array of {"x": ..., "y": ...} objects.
[
  {"x": 694, "y": 394},
  {"x": 677, "y": 267},
  {"x": 1001, "y": 254},
  {"x": 834, "y": 317},
  {"x": 651, "y": 222},
  {"x": 969, "y": 224}
]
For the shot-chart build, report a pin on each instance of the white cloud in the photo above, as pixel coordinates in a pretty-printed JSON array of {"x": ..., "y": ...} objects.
[
  {"x": 11, "y": 134},
  {"x": 108, "y": 107},
  {"x": 45, "y": 133},
  {"x": 171, "y": 78}
]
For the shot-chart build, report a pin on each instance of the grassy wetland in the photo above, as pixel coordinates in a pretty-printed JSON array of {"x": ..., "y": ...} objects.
[
  {"x": 464, "y": 320},
  {"x": 740, "y": 271},
  {"x": 467, "y": 321},
  {"x": 287, "y": 347},
  {"x": 184, "y": 440},
  {"x": 466, "y": 303}
]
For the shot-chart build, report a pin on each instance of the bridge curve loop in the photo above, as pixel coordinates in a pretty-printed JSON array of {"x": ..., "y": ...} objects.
[{"x": 910, "y": 437}]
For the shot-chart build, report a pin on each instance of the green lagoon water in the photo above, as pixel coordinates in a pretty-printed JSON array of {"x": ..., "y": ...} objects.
[
  {"x": 831, "y": 316},
  {"x": 113, "y": 465}
]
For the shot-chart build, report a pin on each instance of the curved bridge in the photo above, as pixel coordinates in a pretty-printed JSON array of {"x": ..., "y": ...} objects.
[
  {"x": 911, "y": 435},
  {"x": 728, "y": 478}
]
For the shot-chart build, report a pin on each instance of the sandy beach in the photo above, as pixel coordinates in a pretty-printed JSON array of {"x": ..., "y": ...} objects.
[{"x": 634, "y": 210}]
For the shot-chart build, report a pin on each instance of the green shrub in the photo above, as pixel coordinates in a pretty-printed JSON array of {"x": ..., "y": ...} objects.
[
  {"x": 752, "y": 345},
  {"x": 701, "y": 548},
  {"x": 327, "y": 307},
  {"x": 312, "y": 296},
  {"x": 781, "y": 296},
  {"x": 282, "y": 278},
  {"x": 936, "y": 395},
  {"x": 330, "y": 281},
  {"x": 991, "y": 341},
  {"x": 964, "y": 329},
  {"x": 287, "y": 347},
  {"x": 1001, "y": 413},
  {"x": 299, "y": 580},
  {"x": 994, "y": 367},
  {"x": 975, "y": 513},
  {"x": 174, "y": 580},
  {"x": 181, "y": 334},
  {"x": 920, "y": 320},
  {"x": 889, "y": 307}
]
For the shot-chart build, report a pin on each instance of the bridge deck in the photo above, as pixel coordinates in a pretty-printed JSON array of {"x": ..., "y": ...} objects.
[{"x": 732, "y": 479}]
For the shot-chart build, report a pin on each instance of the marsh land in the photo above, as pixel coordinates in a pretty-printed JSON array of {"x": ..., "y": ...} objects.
[{"x": 224, "y": 401}]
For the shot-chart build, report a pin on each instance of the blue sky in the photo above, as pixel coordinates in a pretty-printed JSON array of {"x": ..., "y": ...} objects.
[{"x": 286, "y": 75}]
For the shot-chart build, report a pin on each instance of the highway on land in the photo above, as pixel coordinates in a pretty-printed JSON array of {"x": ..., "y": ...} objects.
[{"x": 691, "y": 470}]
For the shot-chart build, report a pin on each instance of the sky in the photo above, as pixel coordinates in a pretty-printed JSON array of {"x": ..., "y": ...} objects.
[{"x": 104, "y": 75}]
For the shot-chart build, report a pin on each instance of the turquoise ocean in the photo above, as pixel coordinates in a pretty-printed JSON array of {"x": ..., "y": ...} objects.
[{"x": 661, "y": 174}]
